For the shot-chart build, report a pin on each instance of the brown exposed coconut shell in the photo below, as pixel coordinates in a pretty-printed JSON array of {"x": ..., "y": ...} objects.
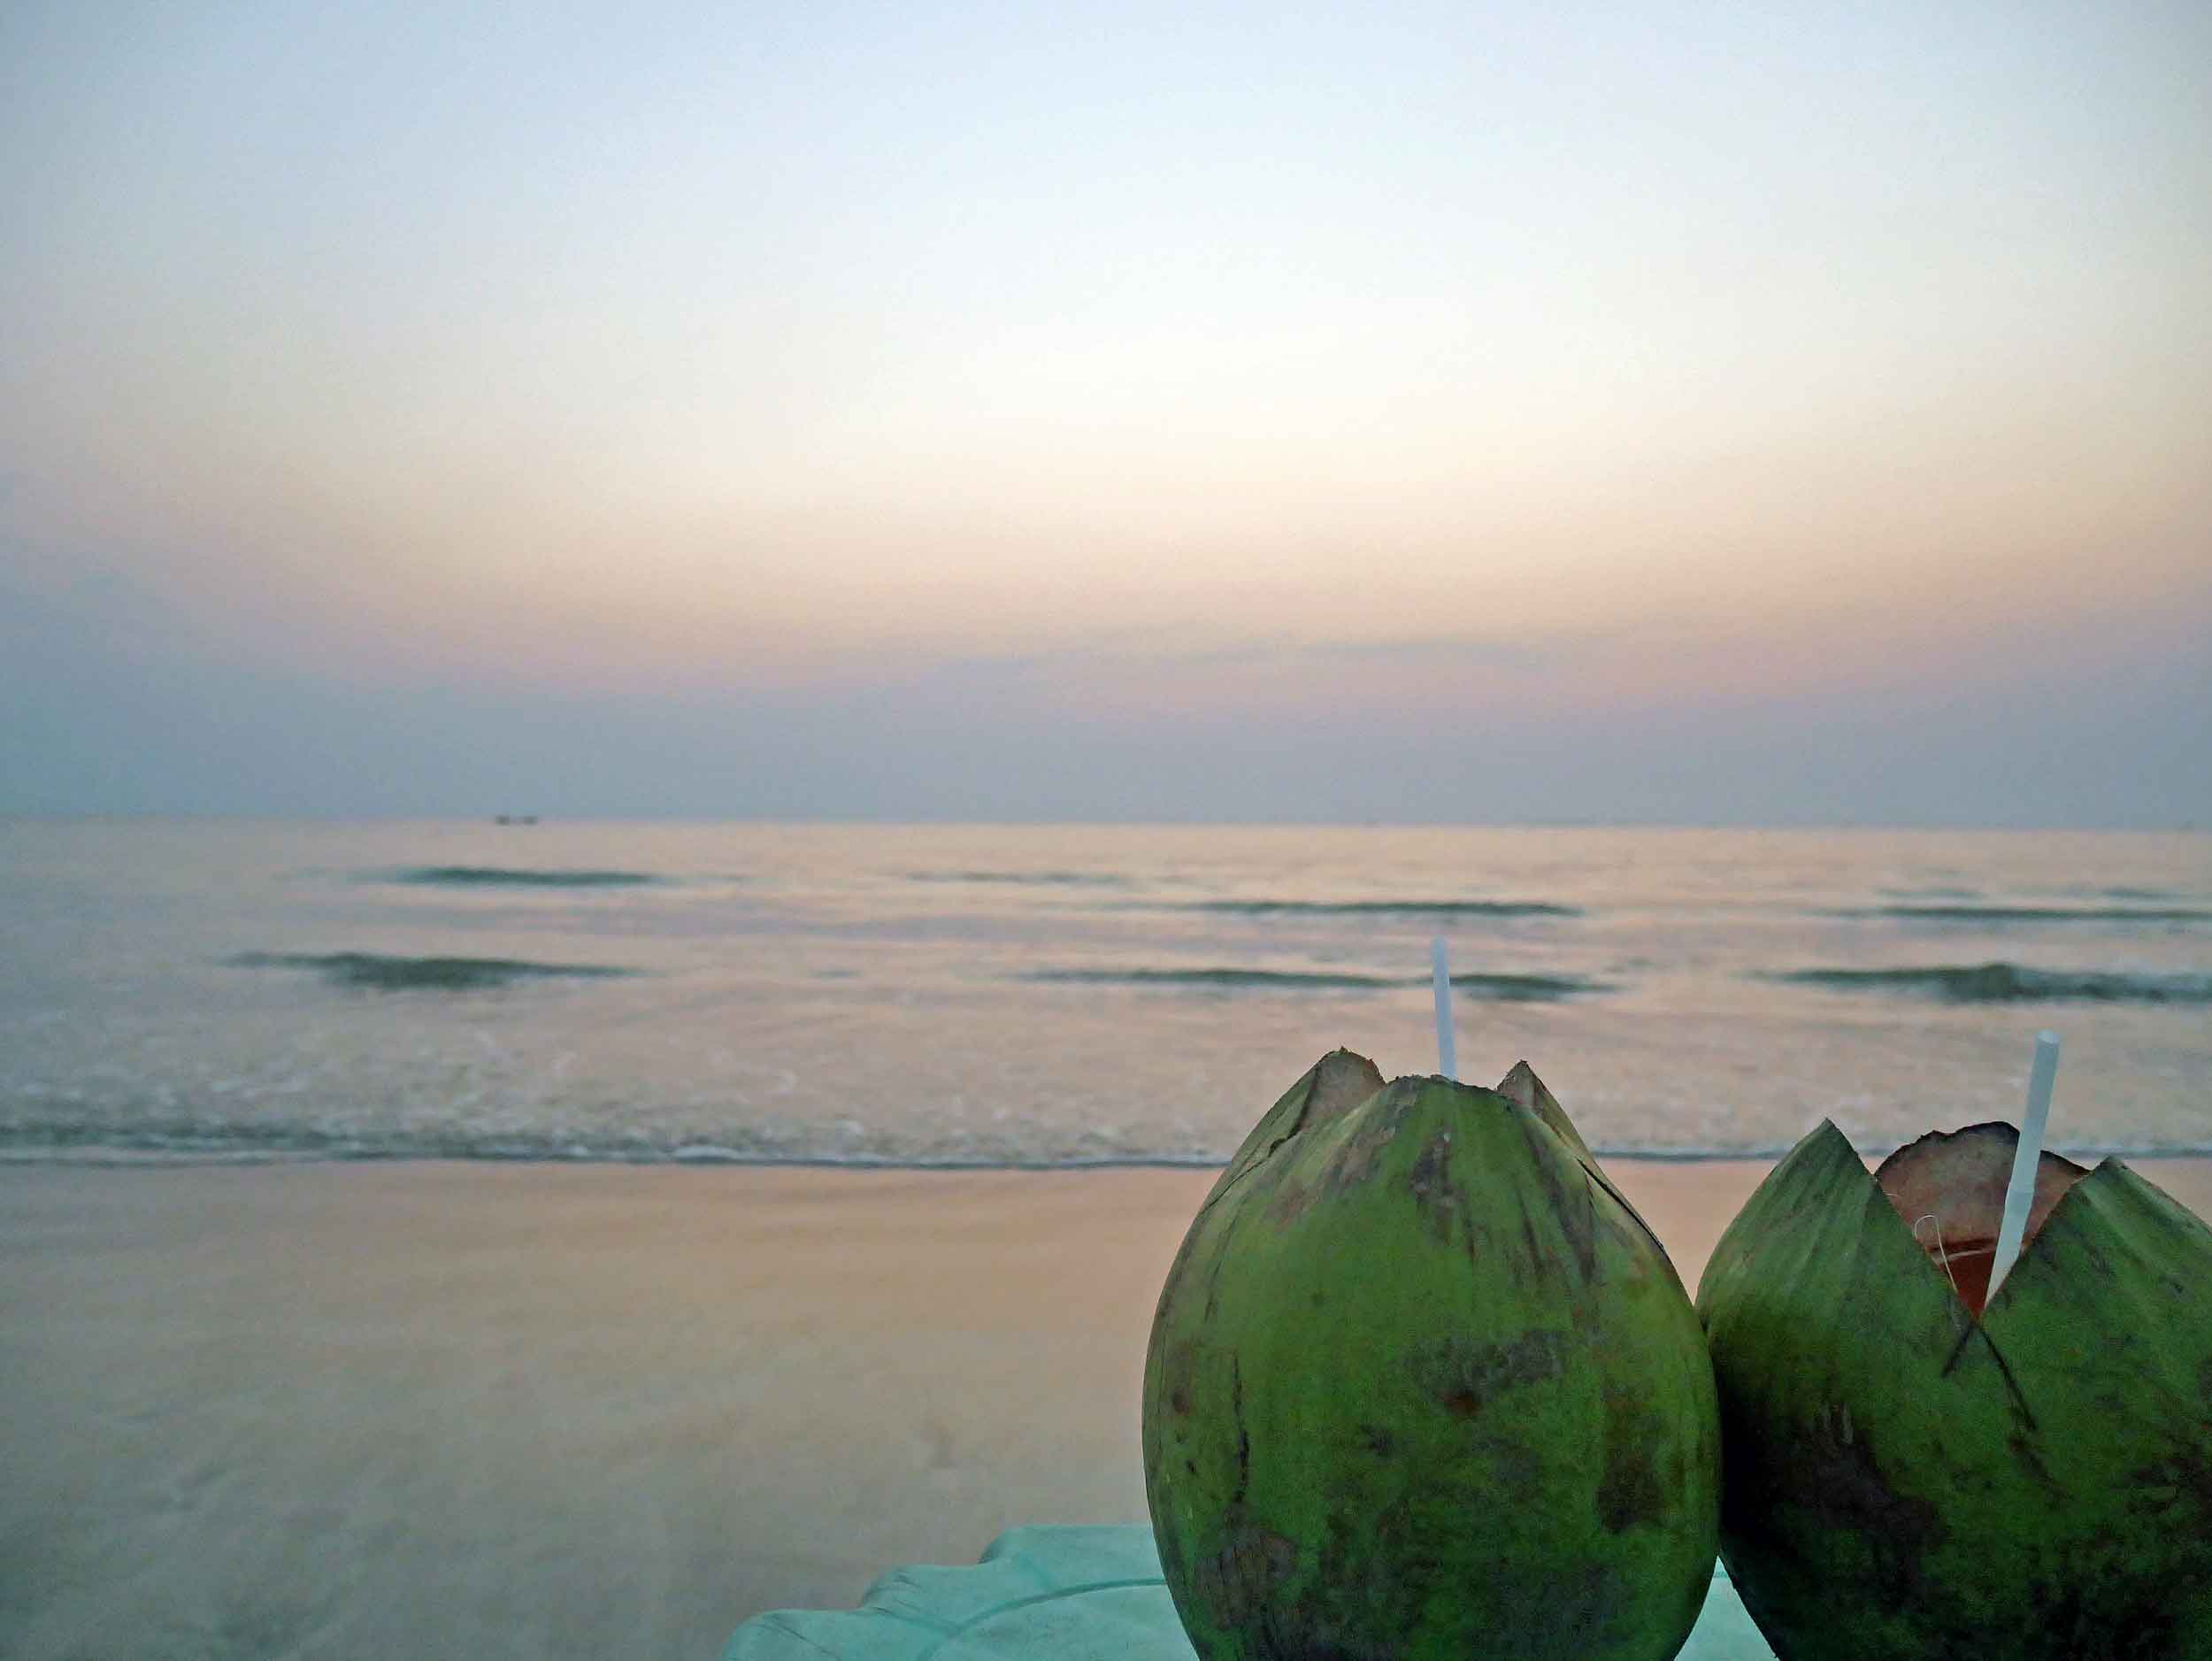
[{"x": 1949, "y": 1187}]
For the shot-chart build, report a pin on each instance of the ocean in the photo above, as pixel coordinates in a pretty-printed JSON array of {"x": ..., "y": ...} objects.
[{"x": 198, "y": 990}]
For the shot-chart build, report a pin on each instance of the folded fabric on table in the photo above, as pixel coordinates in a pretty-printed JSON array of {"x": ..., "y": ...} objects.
[{"x": 1065, "y": 1594}]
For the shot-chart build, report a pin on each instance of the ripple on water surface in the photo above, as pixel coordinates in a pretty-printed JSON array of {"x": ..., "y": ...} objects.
[
  {"x": 385, "y": 973},
  {"x": 518, "y": 877},
  {"x": 2010, "y": 983}
]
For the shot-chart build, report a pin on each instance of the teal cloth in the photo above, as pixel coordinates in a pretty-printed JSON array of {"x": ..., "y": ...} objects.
[{"x": 1050, "y": 1594}]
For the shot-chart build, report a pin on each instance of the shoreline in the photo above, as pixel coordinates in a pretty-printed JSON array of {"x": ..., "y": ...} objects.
[
  {"x": 325, "y": 1409},
  {"x": 125, "y": 1157}
]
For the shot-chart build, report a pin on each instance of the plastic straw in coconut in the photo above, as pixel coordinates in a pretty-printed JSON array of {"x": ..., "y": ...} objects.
[
  {"x": 1440, "y": 963},
  {"x": 2020, "y": 1192}
]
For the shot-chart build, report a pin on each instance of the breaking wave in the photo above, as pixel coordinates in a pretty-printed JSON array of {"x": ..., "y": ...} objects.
[
  {"x": 520, "y": 877},
  {"x": 81, "y": 1142},
  {"x": 1222, "y": 979},
  {"x": 1388, "y": 908},
  {"x": 182, "y": 1141},
  {"x": 1523, "y": 988},
  {"x": 1501, "y": 988},
  {"x": 1026, "y": 878},
  {"x": 2033, "y": 913},
  {"x": 382, "y": 974},
  {"x": 2011, "y": 984}
]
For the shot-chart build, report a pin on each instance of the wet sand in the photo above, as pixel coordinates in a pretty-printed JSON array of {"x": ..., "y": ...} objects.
[{"x": 426, "y": 1410}]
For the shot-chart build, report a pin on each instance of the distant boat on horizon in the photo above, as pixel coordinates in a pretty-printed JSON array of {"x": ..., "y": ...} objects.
[{"x": 516, "y": 819}]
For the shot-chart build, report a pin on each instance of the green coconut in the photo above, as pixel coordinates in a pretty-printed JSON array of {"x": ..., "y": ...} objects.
[
  {"x": 1423, "y": 1385},
  {"x": 1913, "y": 1475}
]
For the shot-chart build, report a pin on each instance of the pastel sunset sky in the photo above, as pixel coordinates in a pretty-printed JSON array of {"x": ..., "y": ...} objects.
[{"x": 1771, "y": 414}]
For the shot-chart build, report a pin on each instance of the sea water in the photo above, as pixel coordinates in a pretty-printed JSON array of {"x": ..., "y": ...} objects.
[{"x": 1052, "y": 996}]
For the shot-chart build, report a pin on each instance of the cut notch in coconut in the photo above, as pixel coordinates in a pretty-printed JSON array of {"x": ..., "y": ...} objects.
[{"x": 1949, "y": 1188}]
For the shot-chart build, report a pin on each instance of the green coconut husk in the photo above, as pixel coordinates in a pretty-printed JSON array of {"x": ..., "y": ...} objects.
[
  {"x": 1907, "y": 1483},
  {"x": 1422, "y": 1385}
]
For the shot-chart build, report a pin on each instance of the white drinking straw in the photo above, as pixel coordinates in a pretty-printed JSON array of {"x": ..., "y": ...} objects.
[
  {"x": 1440, "y": 963},
  {"x": 2020, "y": 1192}
]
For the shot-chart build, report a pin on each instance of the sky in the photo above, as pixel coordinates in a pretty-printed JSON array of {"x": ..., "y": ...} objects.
[{"x": 1775, "y": 414}]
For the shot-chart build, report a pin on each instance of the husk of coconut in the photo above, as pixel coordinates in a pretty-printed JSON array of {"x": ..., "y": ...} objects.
[
  {"x": 1911, "y": 1474},
  {"x": 1422, "y": 1384}
]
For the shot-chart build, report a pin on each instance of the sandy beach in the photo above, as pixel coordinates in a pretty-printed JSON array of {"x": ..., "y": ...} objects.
[{"x": 424, "y": 1410}]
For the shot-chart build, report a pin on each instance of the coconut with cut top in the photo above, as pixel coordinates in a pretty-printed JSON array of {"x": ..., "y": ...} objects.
[
  {"x": 1422, "y": 1384},
  {"x": 1915, "y": 1469}
]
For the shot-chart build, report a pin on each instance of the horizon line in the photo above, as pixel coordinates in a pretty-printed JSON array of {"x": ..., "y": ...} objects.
[{"x": 538, "y": 821}]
